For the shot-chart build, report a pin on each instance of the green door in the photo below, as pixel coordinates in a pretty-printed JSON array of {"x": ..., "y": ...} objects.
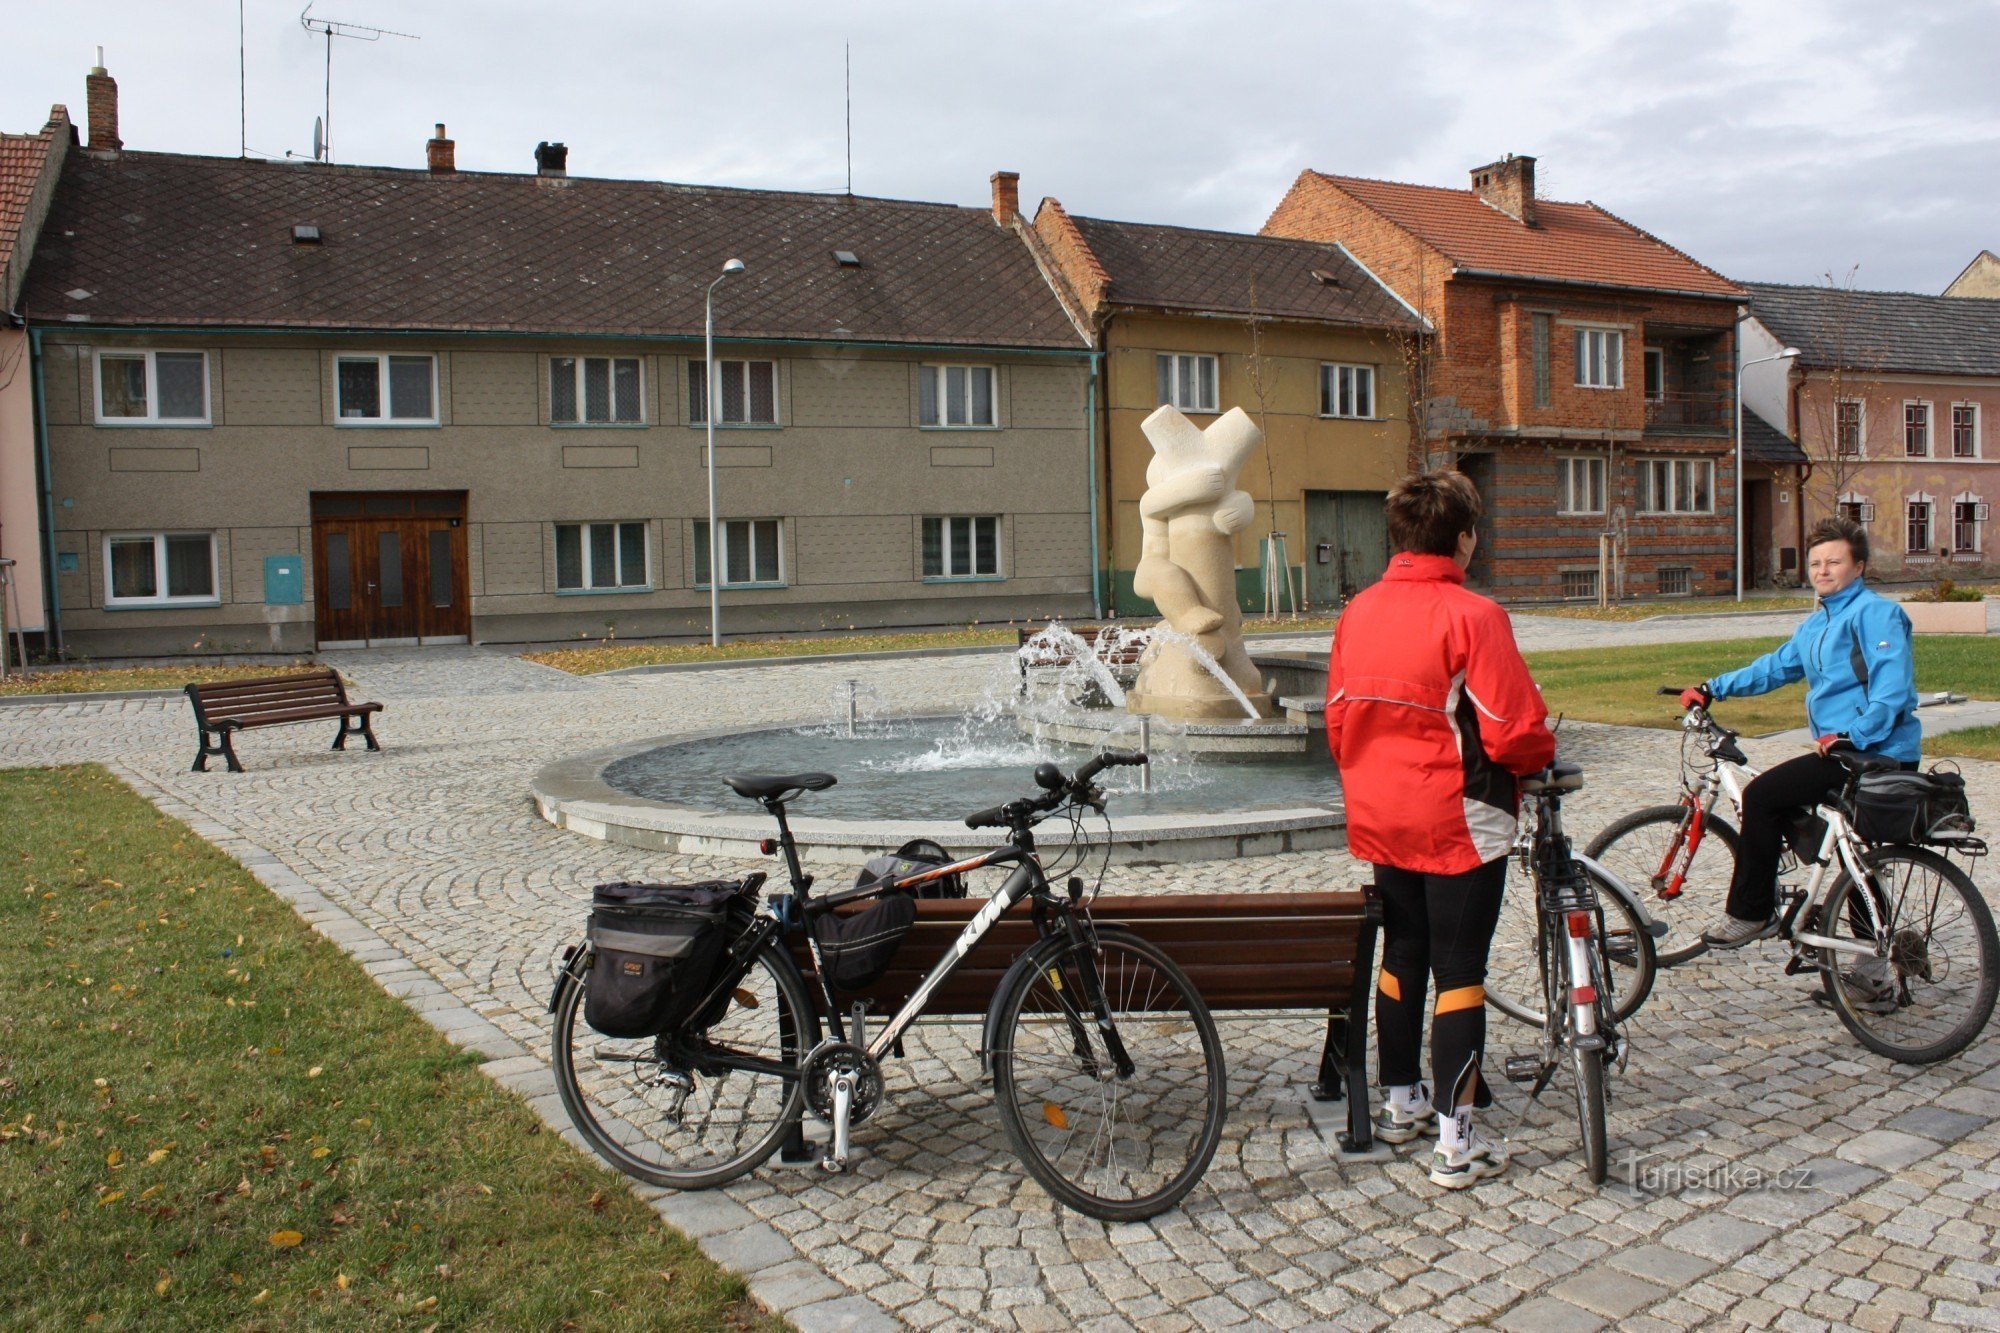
[{"x": 1347, "y": 544}]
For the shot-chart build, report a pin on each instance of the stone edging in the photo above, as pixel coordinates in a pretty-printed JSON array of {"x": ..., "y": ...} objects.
[
  {"x": 85, "y": 697},
  {"x": 779, "y": 1277}
]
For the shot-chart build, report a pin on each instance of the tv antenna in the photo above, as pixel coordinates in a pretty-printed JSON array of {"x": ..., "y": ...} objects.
[{"x": 330, "y": 29}]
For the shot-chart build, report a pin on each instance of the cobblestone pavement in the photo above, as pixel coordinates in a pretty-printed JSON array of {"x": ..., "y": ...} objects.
[{"x": 428, "y": 863}]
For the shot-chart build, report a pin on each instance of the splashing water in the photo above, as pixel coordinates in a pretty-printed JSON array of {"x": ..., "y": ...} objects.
[{"x": 1206, "y": 661}]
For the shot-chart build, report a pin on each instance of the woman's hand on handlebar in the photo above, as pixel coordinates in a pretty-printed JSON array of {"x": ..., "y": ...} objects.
[{"x": 1693, "y": 696}]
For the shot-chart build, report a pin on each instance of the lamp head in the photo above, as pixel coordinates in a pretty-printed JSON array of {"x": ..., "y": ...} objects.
[
  {"x": 732, "y": 268},
  {"x": 1788, "y": 354}
]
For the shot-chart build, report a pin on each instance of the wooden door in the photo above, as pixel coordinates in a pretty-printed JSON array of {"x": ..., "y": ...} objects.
[
  {"x": 1347, "y": 544},
  {"x": 391, "y": 568}
]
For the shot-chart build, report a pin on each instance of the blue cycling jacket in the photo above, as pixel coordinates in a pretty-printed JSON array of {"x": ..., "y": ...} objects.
[{"x": 1854, "y": 655}]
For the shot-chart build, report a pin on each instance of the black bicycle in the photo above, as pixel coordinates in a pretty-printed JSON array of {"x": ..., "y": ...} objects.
[{"x": 1105, "y": 1060}]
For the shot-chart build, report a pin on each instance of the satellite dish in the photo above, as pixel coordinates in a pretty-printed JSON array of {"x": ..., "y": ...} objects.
[{"x": 319, "y": 139}]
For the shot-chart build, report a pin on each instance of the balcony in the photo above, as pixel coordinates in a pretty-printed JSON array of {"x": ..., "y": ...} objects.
[{"x": 1689, "y": 412}]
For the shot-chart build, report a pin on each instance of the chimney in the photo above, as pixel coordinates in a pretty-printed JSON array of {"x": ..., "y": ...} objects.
[
  {"x": 1006, "y": 197},
  {"x": 101, "y": 101},
  {"x": 551, "y": 159},
  {"x": 1508, "y": 185},
  {"x": 441, "y": 154}
]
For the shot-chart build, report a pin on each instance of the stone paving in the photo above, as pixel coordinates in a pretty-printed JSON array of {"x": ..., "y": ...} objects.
[{"x": 428, "y": 863}]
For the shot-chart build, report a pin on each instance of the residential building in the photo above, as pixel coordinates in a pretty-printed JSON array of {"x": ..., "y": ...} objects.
[
  {"x": 1892, "y": 399},
  {"x": 1297, "y": 334},
  {"x": 1581, "y": 374},
  {"x": 294, "y": 404},
  {"x": 1979, "y": 278}
]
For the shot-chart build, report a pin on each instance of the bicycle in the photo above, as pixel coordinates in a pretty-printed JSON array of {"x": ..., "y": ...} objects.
[
  {"x": 1594, "y": 967},
  {"x": 1104, "y": 1058},
  {"x": 1891, "y": 977}
]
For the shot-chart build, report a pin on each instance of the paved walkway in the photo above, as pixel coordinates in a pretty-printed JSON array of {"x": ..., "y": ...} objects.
[{"x": 428, "y": 862}]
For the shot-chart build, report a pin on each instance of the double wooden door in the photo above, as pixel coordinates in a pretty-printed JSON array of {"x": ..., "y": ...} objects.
[
  {"x": 390, "y": 568},
  {"x": 1347, "y": 544}
]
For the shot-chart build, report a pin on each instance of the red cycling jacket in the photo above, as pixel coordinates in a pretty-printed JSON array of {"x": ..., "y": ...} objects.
[{"x": 1431, "y": 713}]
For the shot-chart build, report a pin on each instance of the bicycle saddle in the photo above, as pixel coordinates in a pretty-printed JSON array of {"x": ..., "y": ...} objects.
[
  {"x": 759, "y": 788},
  {"x": 1556, "y": 777},
  {"x": 1858, "y": 762}
]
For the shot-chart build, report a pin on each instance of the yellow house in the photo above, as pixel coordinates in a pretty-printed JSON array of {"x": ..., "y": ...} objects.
[{"x": 1300, "y": 335}]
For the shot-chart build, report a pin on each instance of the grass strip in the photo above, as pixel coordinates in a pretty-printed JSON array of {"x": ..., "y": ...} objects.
[
  {"x": 211, "y": 1117},
  {"x": 1631, "y": 611},
  {"x": 96, "y": 680}
]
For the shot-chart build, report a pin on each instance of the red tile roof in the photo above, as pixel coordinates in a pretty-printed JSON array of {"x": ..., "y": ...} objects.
[
  {"x": 21, "y": 160},
  {"x": 1568, "y": 243}
]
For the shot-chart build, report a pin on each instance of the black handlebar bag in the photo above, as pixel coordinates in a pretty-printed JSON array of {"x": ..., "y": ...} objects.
[{"x": 654, "y": 952}]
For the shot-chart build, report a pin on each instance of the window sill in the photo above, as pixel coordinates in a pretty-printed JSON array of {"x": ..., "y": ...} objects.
[
  {"x": 740, "y": 587},
  {"x": 1675, "y": 513},
  {"x": 950, "y": 429},
  {"x": 209, "y": 603},
  {"x": 1579, "y": 513},
  {"x": 148, "y": 423},
  {"x": 603, "y": 592},
  {"x": 1601, "y": 388},
  {"x": 365, "y": 423},
  {"x": 598, "y": 425},
  {"x": 1337, "y": 416},
  {"x": 734, "y": 425},
  {"x": 965, "y": 578}
]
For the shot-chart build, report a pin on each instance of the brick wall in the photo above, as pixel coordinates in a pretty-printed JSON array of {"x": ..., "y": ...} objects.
[{"x": 1071, "y": 254}]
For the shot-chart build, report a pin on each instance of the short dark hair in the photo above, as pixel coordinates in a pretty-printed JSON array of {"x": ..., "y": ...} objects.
[
  {"x": 1840, "y": 530},
  {"x": 1428, "y": 512}
]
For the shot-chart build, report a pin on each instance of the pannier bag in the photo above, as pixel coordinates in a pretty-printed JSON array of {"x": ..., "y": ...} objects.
[
  {"x": 1912, "y": 807},
  {"x": 913, "y": 858},
  {"x": 856, "y": 950},
  {"x": 654, "y": 953}
]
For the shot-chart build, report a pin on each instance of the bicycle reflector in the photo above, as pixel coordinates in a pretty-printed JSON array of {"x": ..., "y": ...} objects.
[
  {"x": 767, "y": 845},
  {"x": 1579, "y": 925}
]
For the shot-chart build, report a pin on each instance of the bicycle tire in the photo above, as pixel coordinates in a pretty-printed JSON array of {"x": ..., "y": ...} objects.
[
  {"x": 1587, "y": 1068},
  {"x": 1042, "y": 1080},
  {"x": 1634, "y": 847},
  {"x": 1514, "y": 972},
  {"x": 617, "y": 1098},
  {"x": 1931, "y": 903}
]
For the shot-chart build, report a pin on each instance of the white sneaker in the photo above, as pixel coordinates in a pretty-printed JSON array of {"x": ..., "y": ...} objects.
[
  {"x": 1480, "y": 1159},
  {"x": 1396, "y": 1124}
]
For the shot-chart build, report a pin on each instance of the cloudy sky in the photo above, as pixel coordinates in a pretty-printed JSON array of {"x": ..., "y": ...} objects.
[{"x": 1776, "y": 140}]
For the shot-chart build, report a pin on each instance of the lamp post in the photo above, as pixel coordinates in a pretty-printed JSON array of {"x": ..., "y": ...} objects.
[
  {"x": 729, "y": 270},
  {"x": 1790, "y": 353}
]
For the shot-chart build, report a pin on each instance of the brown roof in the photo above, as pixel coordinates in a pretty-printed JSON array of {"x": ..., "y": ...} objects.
[
  {"x": 22, "y": 157},
  {"x": 1230, "y": 272},
  {"x": 1568, "y": 243},
  {"x": 166, "y": 239}
]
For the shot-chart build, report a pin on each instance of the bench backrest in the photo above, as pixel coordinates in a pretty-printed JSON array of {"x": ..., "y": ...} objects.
[
  {"x": 1125, "y": 654},
  {"x": 250, "y": 700}
]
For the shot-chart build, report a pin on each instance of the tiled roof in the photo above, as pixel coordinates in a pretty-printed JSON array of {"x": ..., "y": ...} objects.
[
  {"x": 165, "y": 239},
  {"x": 1765, "y": 443},
  {"x": 21, "y": 160},
  {"x": 1182, "y": 268},
  {"x": 1836, "y": 328},
  {"x": 1568, "y": 243}
]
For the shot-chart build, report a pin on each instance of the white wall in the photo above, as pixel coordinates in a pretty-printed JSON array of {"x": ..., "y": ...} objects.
[{"x": 1766, "y": 387}]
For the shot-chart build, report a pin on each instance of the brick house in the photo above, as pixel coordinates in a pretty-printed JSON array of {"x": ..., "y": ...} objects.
[
  {"x": 295, "y": 404},
  {"x": 1581, "y": 374},
  {"x": 1892, "y": 399},
  {"x": 1298, "y": 334}
]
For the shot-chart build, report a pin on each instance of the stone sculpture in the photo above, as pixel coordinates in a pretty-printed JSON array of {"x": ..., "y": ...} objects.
[{"x": 1189, "y": 517}]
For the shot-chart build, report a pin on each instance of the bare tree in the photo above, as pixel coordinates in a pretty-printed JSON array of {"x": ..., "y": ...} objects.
[
  {"x": 1260, "y": 370},
  {"x": 1831, "y": 404}
]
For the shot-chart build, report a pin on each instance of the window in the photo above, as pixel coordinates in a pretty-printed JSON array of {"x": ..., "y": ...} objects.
[
  {"x": 159, "y": 569},
  {"x": 386, "y": 389},
  {"x": 1346, "y": 391},
  {"x": 750, "y": 552},
  {"x": 1540, "y": 324},
  {"x": 152, "y": 388},
  {"x": 595, "y": 390},
  {"x": 1656, "y": 375},
  {"x": 1187, "y": 381},
  {"x": 961, "y": 548},
  {"x": 749, "y": 392},
  {"x": 594, "y": 556},
  {"x": 1917, "y": 525},
  {"x": 1850, "y": 428},
  {"x": 1917, "y": 430},
  {"x": 1675, "y": 580},
  {"x": 1968, "y": 512},
  {"x": 1600, "y": 359},
  {"x": 1965, "y": 430},
  {"x": 1579, "y": 485},
  {"x": 1856, "y": 509},
  {"x": 1579, "y": 585},
  {"x": 1675, "y": 485},
  {"x": 955, "y": 396}
]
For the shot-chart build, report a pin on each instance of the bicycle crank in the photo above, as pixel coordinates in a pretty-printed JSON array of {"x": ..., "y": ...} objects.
[{"x": 843, "y": 1088}]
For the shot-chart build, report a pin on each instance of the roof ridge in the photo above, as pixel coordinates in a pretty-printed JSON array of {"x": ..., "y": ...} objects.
[
  {"x": 1955, "y": 301},
  {"x": 1208, "y": 231},
  {"x": 1665, "y": 245}
]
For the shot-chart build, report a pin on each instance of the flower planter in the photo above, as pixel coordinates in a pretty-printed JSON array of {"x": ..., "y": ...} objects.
[{"x": 1947, "y": 617}]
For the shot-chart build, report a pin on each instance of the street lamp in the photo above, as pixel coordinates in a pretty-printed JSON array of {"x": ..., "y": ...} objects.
[
  {"x": 729, "y": 270},
  {"x": 1789, "y": 354}
]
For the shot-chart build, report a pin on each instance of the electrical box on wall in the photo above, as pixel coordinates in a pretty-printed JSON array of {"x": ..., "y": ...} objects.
[{"x": 284, "y": 580}]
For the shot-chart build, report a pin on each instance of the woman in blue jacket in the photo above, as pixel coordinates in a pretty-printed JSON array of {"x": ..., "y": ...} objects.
[{"x": 1854, "y": 655}]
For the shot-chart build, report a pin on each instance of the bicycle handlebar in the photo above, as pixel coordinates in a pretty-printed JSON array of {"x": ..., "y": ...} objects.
[{"x": 1011, "y": 814}]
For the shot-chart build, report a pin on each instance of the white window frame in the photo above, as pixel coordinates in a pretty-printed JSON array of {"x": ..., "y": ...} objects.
[
  {"x": 699, "y": 365},
  {"x": 701, "y": 552},
  {"x": 1864, "y": 508},
  {"x": 617, "y": 555},
  {"x": 577, "y": 374},
  {"x": 1563, "y": 582},
  {"x": 945, "y": 548},
  {"x": 152, "y": 419},
  {"x": 1860, "y": 406},
  {"x": 1929, "y": 505},
  {"x": 939, "y": 374},
  {"x": 1177, "y": 392},
  {"x": 1596, "y": 470},
  {"x": 1929, "y": 412},
  {"x": 384, "y": 394},
  {"x": 1976, "y": 414},
  {"x": 1977, "y": 523},
  {"x": 1340, "y": 380},
  {"x": 1646, "y": 497},
  {"x": 1609, "y": 357},
  {"x": 1655, "y": 356},
  {"x": 213, "y": 597}
]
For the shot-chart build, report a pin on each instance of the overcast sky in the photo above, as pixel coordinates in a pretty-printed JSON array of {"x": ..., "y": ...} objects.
[{"x": 1775, "y": 140}]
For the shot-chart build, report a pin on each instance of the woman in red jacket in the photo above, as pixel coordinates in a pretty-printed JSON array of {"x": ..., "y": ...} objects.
[{"x": 1431, "y": 714}]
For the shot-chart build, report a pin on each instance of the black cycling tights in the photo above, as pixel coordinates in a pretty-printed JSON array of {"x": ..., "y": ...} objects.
[
  {"x": 1437, "y": 928},
  {"x": 1772, "y": 803}
]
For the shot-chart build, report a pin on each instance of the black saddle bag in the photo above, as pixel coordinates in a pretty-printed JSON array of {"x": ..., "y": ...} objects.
[
  {"x": 913, "y": 858},
  {"x": 856, "y": 950},
  {"x": 655, "y": 949},
  {"x": 1923, "y": 808}
]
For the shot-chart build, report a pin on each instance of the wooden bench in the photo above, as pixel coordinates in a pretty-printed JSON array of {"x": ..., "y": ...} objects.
[
  {"x": 1121, "y": 658},
  {"x": 223, "y": 708},
  {"x": 1243, "y": 951}
]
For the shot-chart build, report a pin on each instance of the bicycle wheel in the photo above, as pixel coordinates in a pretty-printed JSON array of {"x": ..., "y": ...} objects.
[
  {"x": 1637, "y": 850},
  {"x": 680, "y": 1111},
  {"x": 1931, "y": 992},
  {"x": 1588, "y": 1070},
  {"x": 1120, "y": 1148},
  {"x": 1513, "y": 967}
]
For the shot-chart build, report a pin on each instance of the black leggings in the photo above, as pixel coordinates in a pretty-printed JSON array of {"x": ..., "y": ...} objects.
[
  {"x": 1772, "y": 802},
  {"x": 1437, "y": 928}
]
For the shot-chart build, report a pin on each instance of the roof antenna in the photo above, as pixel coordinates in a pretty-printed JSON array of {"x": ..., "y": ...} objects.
[
  {"x": 332, "y": 28},
  {"x": 848, "y": 47}
]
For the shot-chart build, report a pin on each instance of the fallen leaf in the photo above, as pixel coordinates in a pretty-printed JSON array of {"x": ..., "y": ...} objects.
[
  {"x": 321, "y": 1152},
  {"x": 285, "y": 1240},
  {"x": 160, "y": 1287},
  {"x": 149, "y": 1191},
  {"x": 112, "y": 1197},
  {"x": 113, "y": 1158},
  {"x": 340, "y": 1280},
  {"x": 158, "y": 1155},
  {"x": 261, "y": 1297},
  {"x": 314, "y": 1072},
  {"x": 425, "y": 1306}
]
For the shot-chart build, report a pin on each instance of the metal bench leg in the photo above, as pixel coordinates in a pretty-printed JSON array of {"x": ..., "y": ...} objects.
[
  {"x": 202, "y": 755},
  {"x": 1360, "y": 1134},
  {"x": 228, "y": 737}
]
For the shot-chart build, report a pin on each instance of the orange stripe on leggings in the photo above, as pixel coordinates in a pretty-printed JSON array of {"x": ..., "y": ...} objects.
[
  {"x": 1389, "y": 986},
  {"x": 1465, "y": 997}
]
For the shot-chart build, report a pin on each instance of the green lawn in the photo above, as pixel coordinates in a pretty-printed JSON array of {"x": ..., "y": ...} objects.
[
  {"x": 90, "y": 680},
  {"x": 1625, "y": 611},
  {"x": 210, "y": 1117}
]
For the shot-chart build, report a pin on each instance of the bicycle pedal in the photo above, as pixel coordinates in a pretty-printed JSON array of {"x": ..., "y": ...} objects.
[
  {"x": 1796, "y": 965},
  {"x": 1523, "y": 1068}
]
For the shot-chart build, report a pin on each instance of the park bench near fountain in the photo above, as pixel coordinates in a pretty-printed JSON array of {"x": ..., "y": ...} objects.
[{"x": 1058, "y": 645}]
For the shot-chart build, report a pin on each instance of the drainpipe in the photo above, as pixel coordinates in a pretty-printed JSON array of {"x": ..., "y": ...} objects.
[
  {"x": 51, "y": 606},
  {"x": 1096, "y": 587}
]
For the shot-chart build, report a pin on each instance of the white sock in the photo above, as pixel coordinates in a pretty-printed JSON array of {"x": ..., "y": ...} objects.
[
  {"x": 1455, "y": 1130},
  {"x": 1409, "y": 1096}
]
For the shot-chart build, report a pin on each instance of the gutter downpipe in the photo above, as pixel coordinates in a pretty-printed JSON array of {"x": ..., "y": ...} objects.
[
  {"x": 52, "y": 607},
  {"x": 1096, "y": 586}
]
